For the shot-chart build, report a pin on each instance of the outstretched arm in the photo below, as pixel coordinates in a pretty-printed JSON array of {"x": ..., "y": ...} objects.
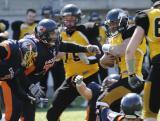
[
  {"x": 116, "y": 51},
  {"x": 82, "y": 88},
  {"x": 75, "y": 48}
]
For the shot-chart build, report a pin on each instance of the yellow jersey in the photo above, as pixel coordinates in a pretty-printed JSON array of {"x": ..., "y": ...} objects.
[
  {"x": 149, "y": 20},
  {"x": 26, "y": 29},
  {"x": 102, "y": 34},
  {"x": 72, "y": 64},
  {"x": 139, "y": 55}
]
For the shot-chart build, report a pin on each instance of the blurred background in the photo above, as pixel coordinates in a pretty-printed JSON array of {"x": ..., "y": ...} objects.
[{"x": 12, "y": 10}]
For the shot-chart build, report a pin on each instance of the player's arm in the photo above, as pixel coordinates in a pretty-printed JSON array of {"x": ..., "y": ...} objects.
[
  {"x": 107, "y": 60},
  {"x": 119, "y": 50},
  {"x": 75, "y": 48},
  {"x": 116, "y": 51},
  {"x": 142, "y": 23},
  {"x": 70, "y": 47},
  {"x": 82, "y": 88}
]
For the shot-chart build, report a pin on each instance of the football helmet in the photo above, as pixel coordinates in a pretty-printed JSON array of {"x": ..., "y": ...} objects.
[
  {"x": 47, "y": 32},
  {"x": 71, "y": 16},
  {"x": 116, "y": 21},
  {"x": 47, "y": 11},
  {"x": 94, "y": 17},
  {"x": 131, "y": 105},
  {"x": 109, "y": 80},
  {"x": 56, "y": 16}
]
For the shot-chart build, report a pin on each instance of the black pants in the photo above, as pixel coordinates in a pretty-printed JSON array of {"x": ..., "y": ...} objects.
[
  {"x": 58, "y": 74},
  {"x": 64, "y": 96},
  {"x": 16, "y": 107}
]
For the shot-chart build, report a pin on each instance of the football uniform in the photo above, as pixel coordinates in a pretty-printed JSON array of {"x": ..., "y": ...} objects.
[
  {"x": 73, "y": 59},
  {"x": 9, "y": 84},
  {"x": 149, "y": 20},
  {"x": 37, "y": 60},
  {"x": 73, "y": 66},
  {"x": 121, "y": 88}
]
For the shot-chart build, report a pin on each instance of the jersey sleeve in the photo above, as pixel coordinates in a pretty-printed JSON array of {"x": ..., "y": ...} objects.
[
  {"x": 70, "y": 47},
  {"x": 128, "y": 33},
  {"x": 29, "y": 52},
  {"x": 142, "y": 20}
]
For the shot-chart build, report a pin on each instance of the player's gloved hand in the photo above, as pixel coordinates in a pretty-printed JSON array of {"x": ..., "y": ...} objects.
[
  {"x": 41, "y": 100},
  {"x": 31, "y": 99},
  {"x": 36, "y": 90},
  {"x": 135, "y": 81},
  {"x": 106, "y": 48},
  {"x": 78, "y": 79},
  {"x": 93, "y": 49}
]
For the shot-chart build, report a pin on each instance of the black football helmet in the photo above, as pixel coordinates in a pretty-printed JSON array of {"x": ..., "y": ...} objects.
[
  {"x": 71, "y": 10},
  {"x": 116, "y": 21},
  {"x": 47, "y": 32},
  {"x": 131, "y": 105},
  {"x": 94, "y": 17},
  {"x": 47, "y": 11}
]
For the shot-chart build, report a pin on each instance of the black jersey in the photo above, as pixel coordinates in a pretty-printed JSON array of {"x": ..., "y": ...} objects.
[
  {"x": 12, "y": 61},
  {"x": 41, "y": 57}
]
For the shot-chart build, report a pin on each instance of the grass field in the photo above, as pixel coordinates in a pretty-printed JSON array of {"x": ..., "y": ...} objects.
[
  {"x": 76, "y": 113},
  {"x": 71, "y": 114}
]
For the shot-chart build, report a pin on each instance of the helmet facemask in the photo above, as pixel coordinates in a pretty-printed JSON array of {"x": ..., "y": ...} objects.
[
  {"x": 70, "y": 22},
  {"x": 71, "y": 16},
  {"x": 116, "y": 21},
  {"x": 48, "y": 35}
]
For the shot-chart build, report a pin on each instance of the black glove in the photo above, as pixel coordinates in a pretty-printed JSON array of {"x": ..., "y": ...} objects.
[
  {"x": 36, "y": 90},
  {"x": 135, "y": 81}
]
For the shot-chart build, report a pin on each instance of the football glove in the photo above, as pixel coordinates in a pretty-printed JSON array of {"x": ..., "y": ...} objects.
[
  {"x": 36, "y": 90},
  {"x": 41, "y": 100},
  {"x": 135, "y": 81},
  {"x": 93, "y": 49},
  {"x": 78, "y": 79}
]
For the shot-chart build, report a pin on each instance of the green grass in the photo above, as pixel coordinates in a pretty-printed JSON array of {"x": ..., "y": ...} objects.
[{"x": 71, "y": 114}]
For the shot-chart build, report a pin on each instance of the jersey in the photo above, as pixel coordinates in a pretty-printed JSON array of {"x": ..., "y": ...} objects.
[
  {"x": 118, "y": 40},
  {"x": 26, "y": 29},
  {"x": 10, "y": 64},
  {"x": 73, "y": 65},
  {"x": 149, "y": 20},
  {"x": 102, "y": 34},
  {"x": 40, "y": 58}
]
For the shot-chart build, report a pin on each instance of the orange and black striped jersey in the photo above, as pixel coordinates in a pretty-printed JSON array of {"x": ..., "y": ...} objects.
[
  {"x": 139, "y": 55},
  {"x": 149, "y": 20},
  {"x": 73, "y": 65}
]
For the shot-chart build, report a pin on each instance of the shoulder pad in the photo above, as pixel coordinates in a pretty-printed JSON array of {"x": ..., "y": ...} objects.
[{"x": 16, "y": 25}]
